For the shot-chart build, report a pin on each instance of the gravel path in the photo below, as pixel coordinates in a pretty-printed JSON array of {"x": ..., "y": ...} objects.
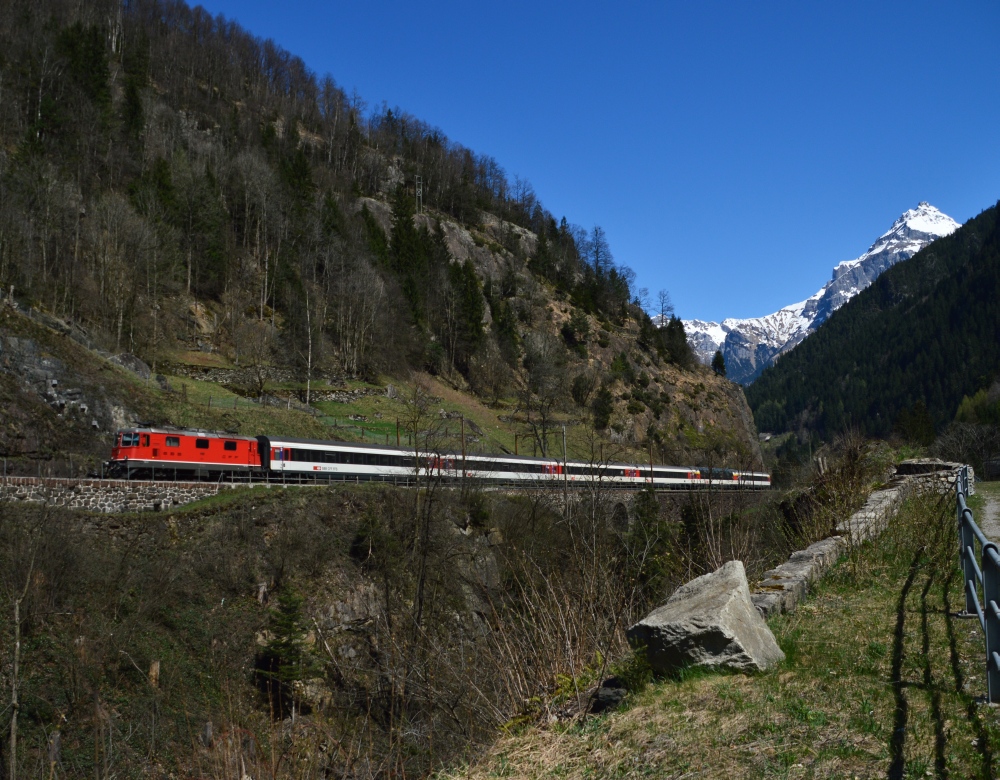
[{"x": 989, "y": 517}]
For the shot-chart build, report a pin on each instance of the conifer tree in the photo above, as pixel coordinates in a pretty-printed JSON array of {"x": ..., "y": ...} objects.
[
  {"x": 285, "y": 660},
  {"x": 719, "y": 363},
  {"x": 470, "y": 311},
  {"x": 408, "y": 251}
]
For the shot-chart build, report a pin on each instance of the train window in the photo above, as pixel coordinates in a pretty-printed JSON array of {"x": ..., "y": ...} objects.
[
  {"x": 201, "y": 444},
  {"x": 173, "y": 441},
  {"x": 130, "y": 439},
  {"x": 145, "y": 440},
  {"x": 229, "y": 445}
]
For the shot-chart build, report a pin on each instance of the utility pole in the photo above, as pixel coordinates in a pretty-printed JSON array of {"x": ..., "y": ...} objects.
[
  {"x": 418, "y": 189},
  {"x": 565, "y": 473}
]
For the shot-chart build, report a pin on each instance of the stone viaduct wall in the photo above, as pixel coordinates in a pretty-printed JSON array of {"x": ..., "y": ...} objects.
[
  {"x": 106, "y": 495},
  {"x": 118, "y": 495}
]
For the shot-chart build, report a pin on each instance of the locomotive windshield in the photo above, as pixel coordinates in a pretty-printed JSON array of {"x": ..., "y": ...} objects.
[{"x": 129, "y": 439}]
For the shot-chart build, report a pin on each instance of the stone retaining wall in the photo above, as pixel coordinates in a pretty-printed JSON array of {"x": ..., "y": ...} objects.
[
  {"x": 106, "y": 495},
  {"x": 782, "y": 588}
]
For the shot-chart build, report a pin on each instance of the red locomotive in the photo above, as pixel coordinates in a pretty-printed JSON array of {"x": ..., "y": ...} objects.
[{"x": 178, "y": 453}]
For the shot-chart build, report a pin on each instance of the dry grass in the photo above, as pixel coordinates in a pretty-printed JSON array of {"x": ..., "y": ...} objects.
[{"x": 881, "y": 680}]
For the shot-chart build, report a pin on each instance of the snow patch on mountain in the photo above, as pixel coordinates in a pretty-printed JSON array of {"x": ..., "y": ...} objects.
[{"x": 750, "y": 345}]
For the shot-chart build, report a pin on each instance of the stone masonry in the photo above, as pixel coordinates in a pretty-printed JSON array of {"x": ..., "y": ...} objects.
[
  {"x": 782, "y": 588},
  {"x": 106, "y": 495}
]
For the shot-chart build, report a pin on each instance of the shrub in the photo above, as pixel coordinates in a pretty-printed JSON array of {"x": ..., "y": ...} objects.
[{"x": 602, "y": 407}]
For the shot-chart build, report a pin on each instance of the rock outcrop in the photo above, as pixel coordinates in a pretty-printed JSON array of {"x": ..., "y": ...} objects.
[{"x": 710, "y": 622}]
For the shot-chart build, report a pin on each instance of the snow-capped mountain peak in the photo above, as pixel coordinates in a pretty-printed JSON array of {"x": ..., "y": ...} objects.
[
  {"x": 750, "y": 345},
  {"x": 924, "y": 220}
]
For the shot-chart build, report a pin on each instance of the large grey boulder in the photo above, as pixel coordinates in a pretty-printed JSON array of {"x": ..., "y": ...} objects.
[{"x": 711, "y": 622}]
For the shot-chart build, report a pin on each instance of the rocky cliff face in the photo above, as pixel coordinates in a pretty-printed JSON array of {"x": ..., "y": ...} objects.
[{"x": 750, "y": 345}]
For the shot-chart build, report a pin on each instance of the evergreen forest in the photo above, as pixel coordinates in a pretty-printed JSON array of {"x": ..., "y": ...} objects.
[{"x": 899, "y": 357}]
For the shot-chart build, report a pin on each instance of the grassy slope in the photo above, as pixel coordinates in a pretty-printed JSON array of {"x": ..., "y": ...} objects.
[
  {"x": 31, "y": 429},
  {"x": 34, "y": 430},
  {"x": 880, "y": 678}
]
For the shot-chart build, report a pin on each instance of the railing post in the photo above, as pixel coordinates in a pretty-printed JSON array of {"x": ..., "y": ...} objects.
[
  {"x": 967, "y": 547},
  {"x": 991, "y": 601}
]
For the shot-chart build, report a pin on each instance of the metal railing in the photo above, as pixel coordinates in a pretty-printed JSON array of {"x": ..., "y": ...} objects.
[{"x": 981, "y": 576}]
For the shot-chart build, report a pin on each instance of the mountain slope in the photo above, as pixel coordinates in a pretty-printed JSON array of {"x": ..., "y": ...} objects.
[
  {"x": 924, "y": 334},
  {"x": 750, "y": 345},
  {"x": 244, "y": 213}
]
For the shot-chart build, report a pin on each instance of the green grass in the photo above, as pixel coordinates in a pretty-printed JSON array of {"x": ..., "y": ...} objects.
[
  {"x": 192, "y": 403},
  {"x": 881, "y": 679}
]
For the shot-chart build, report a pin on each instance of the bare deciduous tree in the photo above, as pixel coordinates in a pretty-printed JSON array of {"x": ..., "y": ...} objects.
[
  {"x": 258, "y": 340},
  {"x": 665, "y": 307},
  {"x": 545, "y": 388},
  {"x": 121, "y": 244},
  {"x": 359, "y": 297},
  {"x": 490, "y": 375}
]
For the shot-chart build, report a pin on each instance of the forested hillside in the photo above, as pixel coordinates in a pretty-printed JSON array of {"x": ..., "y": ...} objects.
[
  {"x": 171, "y": 184},
  {"x": 902, "y": 354}
]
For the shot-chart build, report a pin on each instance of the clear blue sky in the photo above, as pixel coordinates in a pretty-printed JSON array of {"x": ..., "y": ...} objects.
[{"x": 734, "y": 152}]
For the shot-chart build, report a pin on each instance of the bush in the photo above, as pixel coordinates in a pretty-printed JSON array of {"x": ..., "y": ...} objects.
[
  {"x": 622, "y": 369},
  {"x": 970, "y": 443},
  {"x": 602, "y": 407},
  {"x": 583, "y": 387}
]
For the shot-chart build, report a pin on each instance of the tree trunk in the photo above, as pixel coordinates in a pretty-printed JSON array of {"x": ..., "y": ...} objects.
[
  {"x": 309, "y": 341},
  {"x": 14, "y": 684}
]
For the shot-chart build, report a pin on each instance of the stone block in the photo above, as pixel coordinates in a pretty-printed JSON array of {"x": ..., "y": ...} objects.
[
  {"x": 783, "y": 587},
  {"x": 711, "y": 621}
]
